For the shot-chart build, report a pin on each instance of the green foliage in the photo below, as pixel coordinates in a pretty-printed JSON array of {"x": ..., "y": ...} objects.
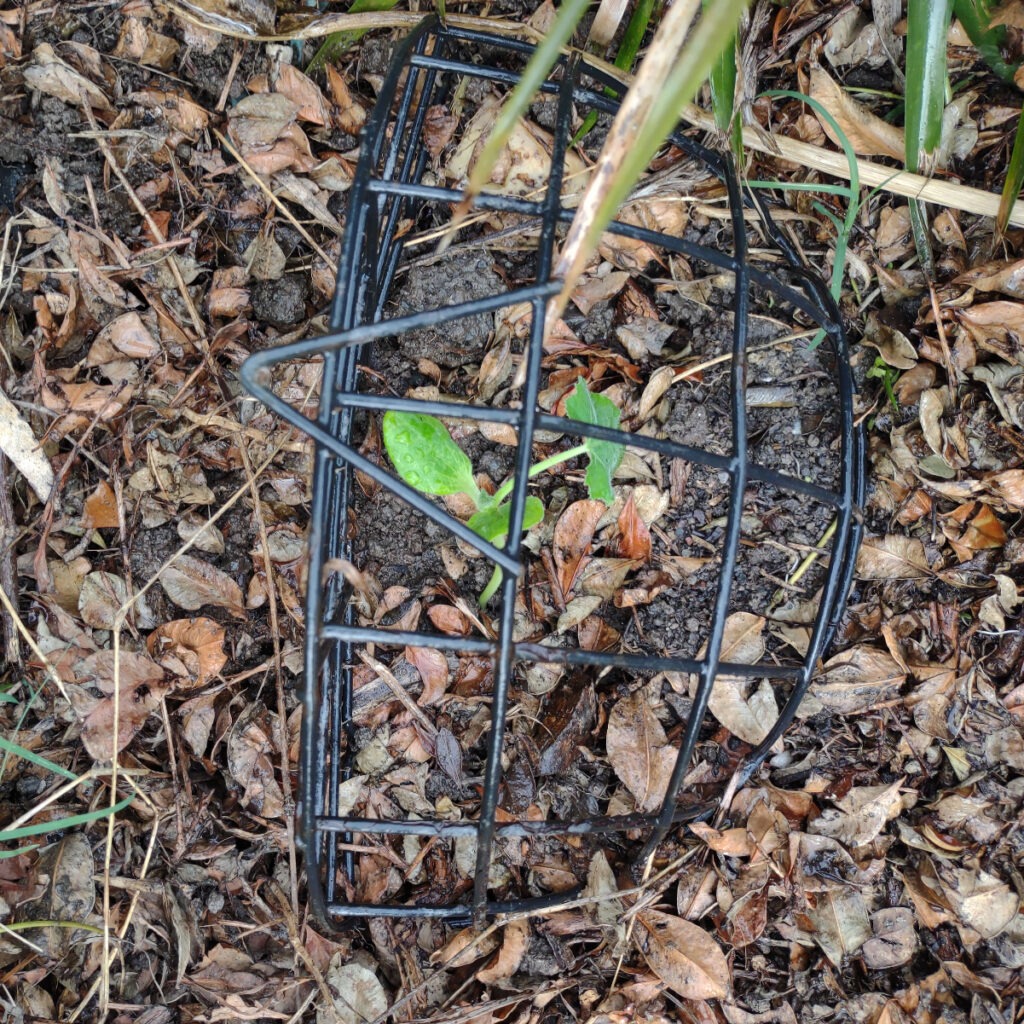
[
  {"x": 604, "y": 456},
  {"x": 927, "y": 28},
  {"x": 425, "y": 457},
  {"x": 888, "y": 375},
  {"x": 337, "y": 44},
  {"x": 723, "y": 93},
  {"x": 976, "y": 18}
]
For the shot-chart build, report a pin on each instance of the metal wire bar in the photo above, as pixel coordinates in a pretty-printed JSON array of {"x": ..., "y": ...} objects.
[{"x": 388, "y": 191}]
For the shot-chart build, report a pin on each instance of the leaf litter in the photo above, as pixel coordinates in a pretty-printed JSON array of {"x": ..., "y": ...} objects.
[{"x": 870, "y": 866}]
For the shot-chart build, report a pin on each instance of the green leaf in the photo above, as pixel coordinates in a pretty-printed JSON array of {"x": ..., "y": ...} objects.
[
  {"x": 492, "y": 523},
  {"x": 927, "y": 28},
  {"x": 426, "y": 457},
  {"x": 337, "y": 44},
  {"x": 604, "y": 456},
  {"x": 60, "y": 824},
  {"x": 1014, "y": 179},
  {"x": 37, "y": 759},
  {"x": 976, "y": 18}
]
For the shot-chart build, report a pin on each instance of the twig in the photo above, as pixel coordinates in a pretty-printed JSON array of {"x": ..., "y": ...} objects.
[
  {"x": 8, "y": 580},
  {"x": 399, "y": 691}
]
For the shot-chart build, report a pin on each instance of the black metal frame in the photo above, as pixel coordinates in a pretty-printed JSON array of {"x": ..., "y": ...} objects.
[{"x": 387, "y": 188}]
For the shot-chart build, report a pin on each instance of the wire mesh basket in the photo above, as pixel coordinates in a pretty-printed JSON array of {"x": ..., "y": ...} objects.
[{"x": 442, "y": 72}]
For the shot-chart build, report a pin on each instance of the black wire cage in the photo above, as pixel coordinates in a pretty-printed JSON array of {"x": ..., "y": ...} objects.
[{"x": 437, "y": 68}]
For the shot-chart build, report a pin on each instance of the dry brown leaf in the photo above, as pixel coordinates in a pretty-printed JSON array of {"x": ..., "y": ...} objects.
[
  {"x": 893, "y": 557},
  {"x": 1008, "y": 485},
  {"x": 47, "y": 73},
  {"x": 356, "y": 991},
  {"x": 855, "y": 680},
  {"x": 192, "y": 583},
  {"x": 868, "y": 134},
  {"x": 102, "y": 596},
  {"x": 515, "y": 939},
  {"x": 895, "y": 940},
  {"x": 572, "y": 538},
  {"x": 449, "y": 619},
  {"x": 684, "y": 956},
  {"x": 309, "y": 101},
  {"x": 634, "y": 536},
  {"x": 983, "y": 903},
  {"x": 432, "y": 666},
  {"x": 250, "y": 755},
  {"x": 998, "y": 276},
  {"x": 193, "y": 649},
  {"x": 100, "y": 508},
  {"x": 861, "y": 814},
  {"x": 638, "y": 750},
  {"x": 177, "y": 108},
  {"x": 841, "y": 923},
  {"x": 141, "y": 688}
]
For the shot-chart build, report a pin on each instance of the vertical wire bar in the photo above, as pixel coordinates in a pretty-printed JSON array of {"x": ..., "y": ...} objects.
[
  {"x": 528, "y": 412},
  {"x": 738, "y": 485}
]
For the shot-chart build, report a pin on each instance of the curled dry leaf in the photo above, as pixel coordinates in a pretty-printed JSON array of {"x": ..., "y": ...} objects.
[
  {"x": 193, "y": 649},
  {"x": 432, "y": 666},
  {"x": 250, "y": 761},
  {"x": 684, "y": 956},
  {"x": 192, "y": 583},
  {"x": 48, "y": 74},
  {"x": 515, "y": 939},
  {"x": 868, "y": 134},
  {"x": 635, "y": 537},
  {"x": 639, "y": 751},
  {"x": 100, "y": 509}
]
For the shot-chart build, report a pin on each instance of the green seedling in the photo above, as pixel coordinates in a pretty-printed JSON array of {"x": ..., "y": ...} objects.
[
  {"x": 888, "y": 375},
  {"x": 425, "y": 457}
]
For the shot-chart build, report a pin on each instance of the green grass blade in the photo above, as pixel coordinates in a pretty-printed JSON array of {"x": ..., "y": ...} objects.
[
  {"x": 1014, "y": 179},
  {"x": 927, "y": 27},
  {"x": 723, "y": 92},
  {"x": 976, "y": 17},
  {"x": 37, "y": 759},
  {"x": 337, "y": 44},
  {"x": 60, "y": 824},
  {"x": 633, "y": 37},
  {"x": 540, "y": 64},
  {"x": 691, "y": 68}
]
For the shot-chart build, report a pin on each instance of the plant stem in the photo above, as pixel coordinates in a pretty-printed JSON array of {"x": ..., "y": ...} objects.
[{"x": 536, "y": 469}]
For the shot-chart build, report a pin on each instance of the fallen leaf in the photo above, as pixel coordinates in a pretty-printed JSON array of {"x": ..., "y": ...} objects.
[
  {"x": 192, "y": 583},
  {"x": 515, "y": 939},
  {"x": 892, "y": 557},
  {"x": 357, "y": 994},
  {"x": 250, "y": 756},
  {"x": 193, "y": 649},
  {"x": 100, "y": 508},
  {"x": 855, "y": 680},
  {"x": 136, "y": 702},
  {"x": 638, "y": 750},
  {"x": 982, "y": 902},
  {"x": 573, "y": 535},
  {"x": 432, "y": 666},
  {"x": 895, "y": 940},
  {"x": 684, "y": 956},
  {"x": 841, "y": 925},
  {"x": 19, "y": 444},
  {"x": 47, "y": 73},
  {"x": 567, "y": 718},
  {"x": 868, "y": 134},
  {"x": 861, "y": 814},
  {"x": 103, "y": 595},
  {"x": 634, "y": 536},
  {"x": 746, "y": 707}
]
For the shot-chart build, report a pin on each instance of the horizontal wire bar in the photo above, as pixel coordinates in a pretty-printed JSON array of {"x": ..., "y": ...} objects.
[
  {"x": 598, "y": 825},
  {"x": 538, "y": 653}
]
